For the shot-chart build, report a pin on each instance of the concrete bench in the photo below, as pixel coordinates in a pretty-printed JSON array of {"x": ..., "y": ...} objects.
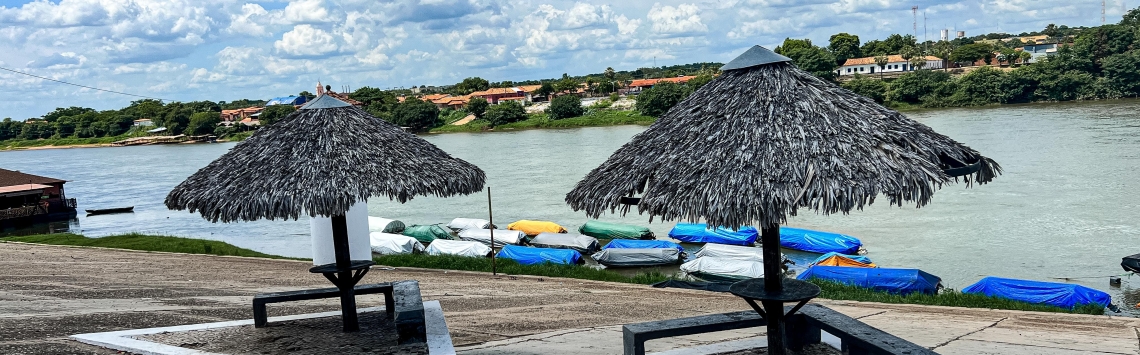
[
  {"x": 803, "y": 328},
  {"x": 409, "y": 312},
  {"x": 260, "y": 315}
]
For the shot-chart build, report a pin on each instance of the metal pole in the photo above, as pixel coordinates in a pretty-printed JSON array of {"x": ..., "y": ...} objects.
[
  {"x": 344, "y": 278},
  {"x": 491, "y": 221},
  {"x": 774, "y": 284}
]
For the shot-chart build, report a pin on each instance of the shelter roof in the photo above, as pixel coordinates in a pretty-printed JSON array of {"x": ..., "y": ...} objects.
[
  {"x": 13, "y": 177},
  {"x": 23, "y": 187}
]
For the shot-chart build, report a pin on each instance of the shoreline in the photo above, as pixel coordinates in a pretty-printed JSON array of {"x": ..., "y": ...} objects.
[{"x": 91, "y": 145}]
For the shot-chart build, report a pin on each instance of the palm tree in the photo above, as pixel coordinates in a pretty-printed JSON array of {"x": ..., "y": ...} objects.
[
  {"x": 918, "y": 62},
  {"x": 942, "y": 50},
  {"x": 881, "y": 61},
  {"x": 908, "y": 52}
]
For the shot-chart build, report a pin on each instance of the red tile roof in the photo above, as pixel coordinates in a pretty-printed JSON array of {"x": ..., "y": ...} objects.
[
  {"x": 890, "y": 59},
  {"x": 651, "y": 82}
]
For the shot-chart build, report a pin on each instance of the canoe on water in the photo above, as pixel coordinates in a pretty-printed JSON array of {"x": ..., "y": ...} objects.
[{"x": 111, "y": 210}]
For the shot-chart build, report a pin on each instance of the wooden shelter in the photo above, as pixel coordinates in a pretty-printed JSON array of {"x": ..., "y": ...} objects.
[{"x": 765, "y": 139}]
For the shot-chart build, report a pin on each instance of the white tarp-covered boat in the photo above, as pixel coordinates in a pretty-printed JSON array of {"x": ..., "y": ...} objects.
[
  {"x": 390, "y": 244},
  {"x": 629, "y": 257},
  {"x": 458, "y": 247},
  {"x": 721, "y": 269},
  {"x": 502, "y": 237},
  {"x": 737, "y": 252},
  {"x": 459, "y": 224},
  {"x": 583, "y": 244},
  {"x": 378, "y": 224}
]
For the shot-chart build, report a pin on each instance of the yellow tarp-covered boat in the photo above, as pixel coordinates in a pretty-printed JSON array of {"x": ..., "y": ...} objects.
[
  {"x": 840, "y": 260},
  {"x": 533, "y": 228}
]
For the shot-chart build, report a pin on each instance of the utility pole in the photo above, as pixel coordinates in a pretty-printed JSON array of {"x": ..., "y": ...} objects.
[
  {"x": 914, "y": 11},
  {"x": 1102, "y": 12}
]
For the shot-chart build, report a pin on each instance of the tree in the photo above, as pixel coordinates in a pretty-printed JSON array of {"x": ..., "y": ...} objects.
[
  {"x": 914, "y": 86},
  {"x": 657, "y": 100},
  {"x": 609, "y": 73},
  {"x": 942, "y": 50},
  {"x": 1131, "y": 18},
  {"x": 812, "y": 59},
  {"x": 791, "y": 45},
  {"x": 1024, "y": 57},
  {"x": 545, "y": 90},
  {"x": 506, "y": 112},
  {"x": 844, "y": 46},
  {"x": 567, "y": 84},
  {"x": 871, "y": 88},
  {"x": 205, "y": 122},
  {"x": 307, "y": 95},
  {"x": 918, "y": 62},
  {"x": 417, "y": 115},
  {"x": 477, "y": 106},
  {"x": 1122, "y": 71},
  {"x": 881, "y": 61},
  {"x": 565, "y": 106},
  {"x": 908, "y": 52},
  {"x": 471, "y": 85},
  {"x": 274, "y": 113},
  {"x": 971, "y": 53},
  {"x": 983, "y": 86},
  {"x": 64, "y": 112}
]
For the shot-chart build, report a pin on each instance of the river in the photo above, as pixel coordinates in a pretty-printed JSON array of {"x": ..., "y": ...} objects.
[{"x": 1066, "y": 205}]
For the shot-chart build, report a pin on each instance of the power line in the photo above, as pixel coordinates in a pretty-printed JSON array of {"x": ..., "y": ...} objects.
[{"x": 82, "y": 86}]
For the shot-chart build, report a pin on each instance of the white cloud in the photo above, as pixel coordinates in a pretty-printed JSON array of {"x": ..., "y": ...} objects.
[
  {"x": 306, "y": 40},
  {"x": 684, "y": 19},
  {"x": 65, "y": 60},
  {"x": 247, "y": 21},
  {"x": 307, "y": 11},
  {"x": 239, "y": 60}
]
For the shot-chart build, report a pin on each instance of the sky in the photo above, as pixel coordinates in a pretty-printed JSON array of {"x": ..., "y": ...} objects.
[{"x": 223, "y": 50}]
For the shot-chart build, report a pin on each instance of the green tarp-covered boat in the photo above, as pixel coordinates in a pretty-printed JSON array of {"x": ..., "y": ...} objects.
[
  {"x": 607, "y": 230},
  {"x": 428, "y": 233}
]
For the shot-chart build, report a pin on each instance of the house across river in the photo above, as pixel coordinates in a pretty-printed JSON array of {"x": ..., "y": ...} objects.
[{"x": 27, "y": 198}]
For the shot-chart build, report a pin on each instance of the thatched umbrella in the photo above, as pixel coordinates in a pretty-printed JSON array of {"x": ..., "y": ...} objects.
[
  {"x": 319, "y": 161},
  {"x": 765, "y": 139}
]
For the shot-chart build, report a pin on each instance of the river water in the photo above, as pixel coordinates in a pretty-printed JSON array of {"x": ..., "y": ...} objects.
[{"x": 1066, "y": 206}]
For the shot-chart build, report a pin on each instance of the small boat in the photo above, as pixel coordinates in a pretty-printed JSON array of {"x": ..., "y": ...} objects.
[
  {"x": 377, "y": 224},
  {"x": 583, "y": 244},
  {"x": 460, "y": 224},
  {"x": 392, "y": 244},
  {"x": 819, "y": 242},
  {"x": 607, "y": 230},
  {"x": 737, "y": 252},
  {"x": 502, "y": 237},
  {"x": 895, "y": 281},
  {"x": 458, "y": 248},
  {"x": 837, "y": 259},
  {"x": 1131, "y": 263},
  {"x": 533, "y": 228},
  {"x": 723, "y": 270},
  {"x": 642, "y": 244},
  {"x": 111, "y": 210},
  {"x": 637, "y": 257},
  {"x": 428, "y": 233},
  {"x": 1062, "y": 295},
  {"x": 532, "y": 256},
  {"x": 700, "y": 233}
]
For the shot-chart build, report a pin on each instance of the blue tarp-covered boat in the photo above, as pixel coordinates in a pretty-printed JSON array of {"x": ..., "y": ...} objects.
[
  {"x": 896, "y": 281},
  {"x": 699, "y": 233},
  {"x": 818, "y": 242},
  {"x": 531, "y": 256},
  {"x": 1051, "y": 293},
  {"x": 642, "y": 244}
]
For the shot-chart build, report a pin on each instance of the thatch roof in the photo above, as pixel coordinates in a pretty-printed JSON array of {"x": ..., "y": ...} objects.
[
  {"x": 319, "y": 160},
  {"x": 766, "y": 138}
]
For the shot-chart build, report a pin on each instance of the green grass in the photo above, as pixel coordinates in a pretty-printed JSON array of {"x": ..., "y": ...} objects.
[
  {"x": 510, "y": 267},
  {"x": 134, "y": 241},
  {"x": 949, "y": 298},
  {"x": 238, "y": 137},
  {"x": 538, "y": 120},
  {"x": 28, "y": 143}
]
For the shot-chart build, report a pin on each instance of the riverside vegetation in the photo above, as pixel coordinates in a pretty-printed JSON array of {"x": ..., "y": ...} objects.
[{"x": 830, "y": 290}]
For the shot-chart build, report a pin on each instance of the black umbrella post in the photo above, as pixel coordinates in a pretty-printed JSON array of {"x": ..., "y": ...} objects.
[
  {"x": 344, "y": 273},
  {"x": 773, "y": 284}
]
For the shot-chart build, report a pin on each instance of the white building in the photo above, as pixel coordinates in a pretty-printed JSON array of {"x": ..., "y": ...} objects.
[{"x": 895, "y": 63}]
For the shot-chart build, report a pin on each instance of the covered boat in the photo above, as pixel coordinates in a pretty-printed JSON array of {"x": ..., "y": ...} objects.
[
  {"x": 531, "y": 255},
  {"x": 737, "y": 252},
  {"x": 700, "y": 233},
  {"x": 607, "y": 230},
  {"x": 378, "y": 224},
  {"x": 642, "y": 244},
  {"x": 502, "y": 237},
  {"x": 634, "y": 257},
  {"x": 1131, "y": 263},
  {"x": 721, "y": 269},
  {"x": 391, "y": 244},
  {"x": 895, "y": 281},
  {"x": 836, "y": 259},
  {"x": 458, "y": 247},
  {"x": 1062, "y": 295},
  {"x": 818, "y": 242},
  {"x": 583, "y": 244},
  {"x": 459, "y": 224},
  {"x": 533, "y": 228},
  {"x": 428, "y": 233}
]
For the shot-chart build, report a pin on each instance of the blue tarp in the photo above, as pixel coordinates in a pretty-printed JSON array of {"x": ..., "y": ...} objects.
[
  {"x": 699, "y": 233},
  {"x": 642, "y": 244},
  {"x": 859, "y": 258},
  {"x": 1050, "y": 293},
  {"x": 530, "y": 255},
  {"x": 818, "y": 242},
  {"x": 286, "y": 100},
  {"x": 896, "y": 281}
]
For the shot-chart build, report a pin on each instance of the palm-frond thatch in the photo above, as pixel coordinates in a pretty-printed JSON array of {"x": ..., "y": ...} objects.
[
  {"x": 320, "y": 160},
  {"x": 759, "y": 142}
]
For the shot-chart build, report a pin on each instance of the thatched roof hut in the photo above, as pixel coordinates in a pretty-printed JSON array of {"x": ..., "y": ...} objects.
[
  {"x": 319, "y": 160},
  {"x": 765, "y": 139}
]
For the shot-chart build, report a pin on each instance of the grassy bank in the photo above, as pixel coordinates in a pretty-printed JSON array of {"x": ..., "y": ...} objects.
[
  {"x": 144, "y": 242},
  {"x": 837, "y": 291},
  {"x": 30, "y": 143},
  {"x": 593, "y": 119},
  {"x": 510, "y": 267}
]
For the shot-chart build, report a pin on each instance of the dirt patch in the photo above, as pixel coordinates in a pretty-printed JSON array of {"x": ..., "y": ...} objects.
[{"x": 377, "y": 335}]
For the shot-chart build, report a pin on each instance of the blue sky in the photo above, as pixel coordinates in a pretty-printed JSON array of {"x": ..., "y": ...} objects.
[{"x": 223, "y": 50}]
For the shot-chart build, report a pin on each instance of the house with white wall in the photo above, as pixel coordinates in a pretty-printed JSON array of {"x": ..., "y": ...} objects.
[{"x": 895, "y": 63}]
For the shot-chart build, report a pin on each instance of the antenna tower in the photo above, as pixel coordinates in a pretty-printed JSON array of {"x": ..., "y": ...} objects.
[
  {"x": 914, "y": 11},
  {"x": 1102, "y": 11}
]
